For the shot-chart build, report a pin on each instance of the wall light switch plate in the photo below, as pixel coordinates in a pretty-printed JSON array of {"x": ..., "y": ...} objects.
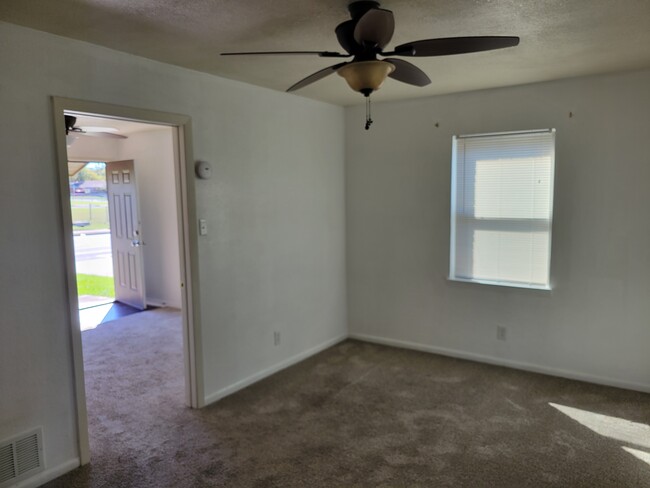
[{"x": 203, "y": 227}]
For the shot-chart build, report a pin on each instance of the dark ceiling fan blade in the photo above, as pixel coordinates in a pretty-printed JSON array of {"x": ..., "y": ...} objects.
[
  {"x": 345, "y": 35},
  {"x": 454, "y": 45},
  {"x": 375, "y": 28},
  {"x": 408, "y": 73},
  {"x": 107, "y": 135},
  {"x": 315, "y": 77},
  {"x": 322, "y": 54}
]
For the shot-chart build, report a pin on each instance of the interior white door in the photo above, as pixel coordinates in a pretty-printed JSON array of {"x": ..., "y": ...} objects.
[{"x": 126, "y": 238}]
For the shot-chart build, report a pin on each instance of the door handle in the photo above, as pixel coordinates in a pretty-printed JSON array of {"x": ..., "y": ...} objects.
[{"x": 137, "y": 243}]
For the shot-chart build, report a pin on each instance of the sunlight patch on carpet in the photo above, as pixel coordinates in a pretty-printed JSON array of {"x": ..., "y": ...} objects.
[
  {"x": 642, "y": 455},
  {"x": 608, "y": 426}
]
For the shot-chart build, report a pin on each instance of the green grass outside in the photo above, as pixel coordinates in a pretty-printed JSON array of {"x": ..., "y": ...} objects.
[
  {"x": 98, "y": 286},
  {"x": 91, "y": 211}
]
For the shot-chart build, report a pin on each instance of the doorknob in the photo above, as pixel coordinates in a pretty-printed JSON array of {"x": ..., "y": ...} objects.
[{"x": 137, "y": 243}]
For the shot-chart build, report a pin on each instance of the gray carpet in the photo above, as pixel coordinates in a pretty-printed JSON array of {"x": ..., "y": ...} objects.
[{"x": 355, "y": 415}]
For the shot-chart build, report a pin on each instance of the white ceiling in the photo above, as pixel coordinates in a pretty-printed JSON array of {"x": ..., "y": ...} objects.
[{"x": 559, "y": 38}]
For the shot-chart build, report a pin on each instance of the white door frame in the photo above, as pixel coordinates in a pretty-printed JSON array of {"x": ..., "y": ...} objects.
[{"x": 187, "y": 225}]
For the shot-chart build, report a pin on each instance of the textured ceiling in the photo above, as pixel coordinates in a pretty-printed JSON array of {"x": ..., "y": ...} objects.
[{"x": 559, "y": 38}]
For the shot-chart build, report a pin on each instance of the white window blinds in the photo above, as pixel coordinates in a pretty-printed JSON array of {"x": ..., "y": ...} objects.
[{"x": 501, "y": 208}]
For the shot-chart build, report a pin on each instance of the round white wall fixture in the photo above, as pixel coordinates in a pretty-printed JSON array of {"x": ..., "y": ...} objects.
[{"x": 203, "y": 170}]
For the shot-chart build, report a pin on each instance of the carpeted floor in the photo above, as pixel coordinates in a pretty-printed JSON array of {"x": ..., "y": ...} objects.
[{"x": 355, "y": 415}]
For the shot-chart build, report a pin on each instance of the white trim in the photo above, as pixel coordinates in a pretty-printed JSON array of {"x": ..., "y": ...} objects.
[
  {"x": 254, "y": 378},
  {"x": 454, "y": 199},
  {"x": 551, "y": 203},
  {"x": 507, "y": 284},
  {"x": 481, "y": 358},
  {"x": 507, "y": 133},
  {"x": 49, "y": 474},
  {"x": 186, "y": 203}
]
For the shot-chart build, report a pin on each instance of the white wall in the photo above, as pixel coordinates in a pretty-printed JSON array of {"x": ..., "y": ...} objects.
[
  {"x": 153, "y": 155},
  {"x": 274, "y": 259},
  {"x": 85, "y": 148},
  {"x": 595, "y": 323}
]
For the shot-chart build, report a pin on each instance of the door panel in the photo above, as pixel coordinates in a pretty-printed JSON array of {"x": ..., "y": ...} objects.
[{"x": 126, "y": 241}]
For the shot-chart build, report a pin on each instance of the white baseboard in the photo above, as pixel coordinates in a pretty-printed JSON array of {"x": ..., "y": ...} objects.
[
  {"x": 228, "y": 390},
  {"x": 535, "y": 368},
  {"x": 49, "y": 474}
]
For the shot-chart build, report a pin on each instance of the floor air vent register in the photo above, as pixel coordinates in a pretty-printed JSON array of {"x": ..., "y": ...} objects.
[{"x": 21, "y": 457}]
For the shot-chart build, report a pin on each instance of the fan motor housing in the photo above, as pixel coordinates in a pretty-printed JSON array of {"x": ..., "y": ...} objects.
[{"x": 359, "y": 8}]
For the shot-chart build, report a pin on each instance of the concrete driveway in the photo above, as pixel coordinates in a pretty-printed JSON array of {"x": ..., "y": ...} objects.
[{"x": 93, "y": 253}]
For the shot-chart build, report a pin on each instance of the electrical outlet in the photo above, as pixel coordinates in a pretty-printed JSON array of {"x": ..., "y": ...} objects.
[
  {"x": 276, "y": 338},
  {"x": 501, "y": 333}
]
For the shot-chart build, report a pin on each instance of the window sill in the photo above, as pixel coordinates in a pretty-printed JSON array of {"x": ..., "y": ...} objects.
[{"x": 503, "y": 284}]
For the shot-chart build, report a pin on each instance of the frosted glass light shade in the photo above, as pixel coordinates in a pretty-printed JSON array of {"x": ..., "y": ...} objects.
[{"x": 366, "y": 76}]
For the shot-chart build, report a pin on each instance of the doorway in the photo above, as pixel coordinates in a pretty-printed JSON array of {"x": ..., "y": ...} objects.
[
  {"x": 181, "y": 200},
  {"x": 122, "y": 196}
]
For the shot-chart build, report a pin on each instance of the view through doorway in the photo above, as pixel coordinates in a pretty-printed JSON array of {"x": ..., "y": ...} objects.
[
  {"x": 92, "y": 244},
  {"x": 112, "y": 166}
]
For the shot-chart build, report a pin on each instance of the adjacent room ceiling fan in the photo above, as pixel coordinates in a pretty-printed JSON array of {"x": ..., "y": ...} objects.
[
  {"x": 364, "y": 38},
  {"x": 72, "y": 130}
]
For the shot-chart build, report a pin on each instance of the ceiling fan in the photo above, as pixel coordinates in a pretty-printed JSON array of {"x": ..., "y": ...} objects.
[
  {"x": 71, "y": 130},
  {"x": 364, "y": 38}
]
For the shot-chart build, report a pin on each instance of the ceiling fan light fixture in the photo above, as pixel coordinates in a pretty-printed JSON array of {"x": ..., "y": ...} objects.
[
  {"x": 365, "y": 36},
  {"x": 366, "y": 76}
]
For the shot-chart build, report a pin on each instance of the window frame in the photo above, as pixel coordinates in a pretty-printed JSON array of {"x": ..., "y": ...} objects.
[{"x": 453, "y": 213}]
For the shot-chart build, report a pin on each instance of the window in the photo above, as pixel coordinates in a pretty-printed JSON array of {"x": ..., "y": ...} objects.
[{"x": 502, "y": 207}]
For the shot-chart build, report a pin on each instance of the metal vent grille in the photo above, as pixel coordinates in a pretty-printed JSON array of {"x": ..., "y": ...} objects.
[
  {"x": 27, "y": 454},
  {"x": 7, "y": 463},
  {"x": 21, "y": 457}
]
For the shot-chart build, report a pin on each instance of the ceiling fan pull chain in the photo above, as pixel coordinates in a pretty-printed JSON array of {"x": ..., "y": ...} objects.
[{"x": 368, "y": 119}]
